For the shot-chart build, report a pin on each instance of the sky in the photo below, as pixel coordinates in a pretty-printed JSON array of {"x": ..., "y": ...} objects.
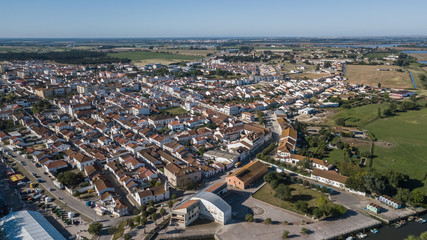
[{"x": 211, "y": 18}]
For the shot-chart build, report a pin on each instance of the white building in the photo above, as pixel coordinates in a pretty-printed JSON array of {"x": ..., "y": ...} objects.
[{"x": 204, "y": 204}]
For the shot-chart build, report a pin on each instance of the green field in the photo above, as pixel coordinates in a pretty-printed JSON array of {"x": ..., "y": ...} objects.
[
  {"x": 174, "y": 111},
  {"x": 408, "y": 135},
  {"x": 299, "y": 192},
  {"x": 379, "y": 55},
  {"x": 154, "y": 57},
  {"x": 358, "y": 116}
]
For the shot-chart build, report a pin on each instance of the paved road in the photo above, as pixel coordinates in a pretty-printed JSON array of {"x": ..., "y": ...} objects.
[
  {"x": 273, "y": 125},
  {"x": 76, "y": 204}
]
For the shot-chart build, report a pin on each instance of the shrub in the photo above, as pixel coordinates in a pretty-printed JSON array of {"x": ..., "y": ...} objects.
[
  {"x": 285, "y": 234},
  {"x": 249, "y": 218},
  {"x": 304, "y": 230},
  {"x": 268, "y": 221}
]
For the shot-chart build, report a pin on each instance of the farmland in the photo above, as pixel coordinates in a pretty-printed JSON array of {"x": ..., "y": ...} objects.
[
  {"x": 379, "y": 55},
  {"x": 146, "y": 57},
  {"x": 369, "y": 75}
]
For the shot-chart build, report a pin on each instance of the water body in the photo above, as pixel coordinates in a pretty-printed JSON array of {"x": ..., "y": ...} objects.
[
  {"x": 359, "y": 46},
  {"x": 390, "y": 232},
  {"x": 415, "y": 51},
  {"x": 419, "y": 52}
]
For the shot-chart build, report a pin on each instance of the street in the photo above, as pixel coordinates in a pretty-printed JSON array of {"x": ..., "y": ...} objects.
[{"x": 79, "y": 206}]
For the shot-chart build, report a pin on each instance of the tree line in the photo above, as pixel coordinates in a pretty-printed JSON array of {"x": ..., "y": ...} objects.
[{"x": 68, "y": 57}]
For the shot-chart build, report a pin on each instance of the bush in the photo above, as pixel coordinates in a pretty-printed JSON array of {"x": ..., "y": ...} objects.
[
  {"x": 304, "y": 230},
  {"x": 135, "y": 211},
  {"x": 95, "y": 228},
  {"x": 285, "y": 223},
  {"x": 76, "y": 194},
  {"x": 305, "y": 183},
  {"x": 285, "y": 234},
  {"x": 249, "y": 218},
  {"x": 268, "y": 221}
]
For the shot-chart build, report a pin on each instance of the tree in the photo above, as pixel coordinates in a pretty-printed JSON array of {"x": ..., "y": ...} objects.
[
  {"x": 170, "y": 205},
  {"x": 283, "y": 192},
  {"x": 137, "y": 220},
  {"x": 268, "y": 221},
  {"x": 95, "y": 228},
  {"x": 302, "y": 206},
  {"x": 131, "y": 223},
  {"x": 249, "y": 218},
  {"x": 379, "y": 85},
  {"x": 403, "y": 195},
  {"x": 163, "y": 212},
  {"x": 305, "y": 183},
  {"x": 151, "y": 210},
  {"x": 151, "y": 203},
  {"x": 317, "y": 213},
  {"x": 154, "y": 218},
  {"x": 70, "y": 178},
  {"x": 76, "y": 194},
  {"x": 285, "y": 234},
  {"x": 340, "y": 122},
  {"x": 127, "y": 236},
  {"x": 417, "y": 197},
  {"x": 143, "y": 223},
  {"x": 143, "y": 207}
]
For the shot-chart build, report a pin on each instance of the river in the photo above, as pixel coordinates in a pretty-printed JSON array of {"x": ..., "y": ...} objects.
[{"x": 390, "y": 232}]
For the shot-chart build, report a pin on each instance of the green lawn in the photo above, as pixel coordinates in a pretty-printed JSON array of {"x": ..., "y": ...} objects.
[
  {"x": 358, "y": 116},
  {"x": 299, "y": 192},
  {"x": 408, "y": 135},
  {"x": 142, "y": 55},
  {"x": 174, "y": 111}
]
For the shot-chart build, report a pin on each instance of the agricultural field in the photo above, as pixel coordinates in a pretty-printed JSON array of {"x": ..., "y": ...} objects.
[
  {"x": 379, "y": 55},
  {"x": 299, "y": 192},
  {"x": 419, "y": 56},
  {"x": 191, "y": 52},
  {"x": 145, "y": 57},
  {"x": 369, "y": 75}
]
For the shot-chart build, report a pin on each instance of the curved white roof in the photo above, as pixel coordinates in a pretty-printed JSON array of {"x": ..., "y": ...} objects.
[
  {"x": 28, "y": 225},
  {"x": 214, "y": 199}
]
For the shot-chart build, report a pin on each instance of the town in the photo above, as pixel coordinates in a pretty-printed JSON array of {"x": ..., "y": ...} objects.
[{"x": 237, "y": 143}]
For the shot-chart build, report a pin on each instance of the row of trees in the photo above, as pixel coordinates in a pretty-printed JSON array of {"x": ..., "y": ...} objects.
[
  {"x": 386, "y": 182},
  {"x": 70, "y": 57}
]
